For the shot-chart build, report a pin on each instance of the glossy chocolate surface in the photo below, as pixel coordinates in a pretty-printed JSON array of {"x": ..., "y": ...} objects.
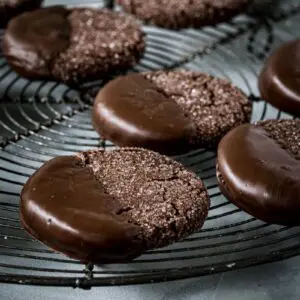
[
  {"x": 33, "y": 40},
  {"x": 65, "y": 207},
  {"x": 279, "y": 82},
  {"x": 132, "y": 111},
  {"x": 259, "y": 176}
]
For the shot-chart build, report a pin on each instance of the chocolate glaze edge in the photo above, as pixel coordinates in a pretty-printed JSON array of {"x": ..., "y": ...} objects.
[
  {"x": 24, "y": 47},
  {"x": 119, "y": 241},
  {"x": 141, "y": 136},
  {"x": 276, "y": 81},
  {"x": 279, "y": 212},
  {"x": 254, "y": 211}
]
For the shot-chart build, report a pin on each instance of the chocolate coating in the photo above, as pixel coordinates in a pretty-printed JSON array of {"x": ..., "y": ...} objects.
[
  {"x": 11, "y": 8},
  {"x": 35, "y": 38},
  {"x": 132, "y": 111},
  {"x": 279, "y": 81},
  {"x": 259, "y": 170},
  {"x": 108, "y": 207},
  {"x": 204, "y": 109},
  {"x": 65, "y": 207},
  {"x": 72, "y": 45},
  {"x": 184, "y": 13}
]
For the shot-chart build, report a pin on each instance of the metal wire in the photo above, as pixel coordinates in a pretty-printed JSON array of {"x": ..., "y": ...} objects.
[{"x": 40, "y": 120}]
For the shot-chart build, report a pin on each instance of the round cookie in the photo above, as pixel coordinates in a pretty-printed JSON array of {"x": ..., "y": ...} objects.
[
  {"x": 11, "y": 8},
  {"x": 279, "y": 81},
  {"x": 184, "y": 13},
  {"x": 72, "y": 45},
  {"x": 111, "y": 206},
  {"x": 258, "y": 169},
  {"x": 169, "y": 111}
]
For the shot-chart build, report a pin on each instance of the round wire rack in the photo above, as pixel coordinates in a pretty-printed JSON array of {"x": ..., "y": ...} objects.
[{"x": 40, "y": 120}]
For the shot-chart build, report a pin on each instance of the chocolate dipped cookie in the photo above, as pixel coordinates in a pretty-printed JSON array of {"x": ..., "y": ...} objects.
[
  {"x": 169, "y": 111},
  {"x": 259, "y": 170},
  {"x": 72, "y": 45},
  {"x": 111, "y": 206}
]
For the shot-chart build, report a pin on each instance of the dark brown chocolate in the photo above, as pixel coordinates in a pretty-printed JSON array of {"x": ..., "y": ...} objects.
[
  {"x": 132, "y": 111},
  {"x": 169, "y": 111},
  {"x": 184, "y": 13},
  {"x": 110, "y": 206},
  {"x": 72, "y": 45},
  {"x": 12, "y": 8},
  {"x": 34, "y": 39},
  {"x": 65, "y": 207},
  {"x": 259, "y": 170},
  {"x": 279, "y": 81}
]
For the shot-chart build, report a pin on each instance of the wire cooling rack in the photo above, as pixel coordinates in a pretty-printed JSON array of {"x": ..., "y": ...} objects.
[{"x": 40, "y": 120}]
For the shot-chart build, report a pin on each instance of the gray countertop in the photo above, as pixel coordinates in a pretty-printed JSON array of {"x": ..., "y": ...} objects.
[{"x": 276, "y": 281}]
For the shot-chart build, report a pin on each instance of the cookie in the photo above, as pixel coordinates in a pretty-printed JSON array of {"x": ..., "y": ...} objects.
[
  {"x": 279, "y": 81},
  {"x": 111, "y": 206},
  {"x": 259, "y": 170},
  {"x": 184, "y": 13},
  {"x": 169, "y": 111},
  {"x": 132, "y": 111},
  {"x": 11, "y": 8},
  {"x": 72, "y": 45}
]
